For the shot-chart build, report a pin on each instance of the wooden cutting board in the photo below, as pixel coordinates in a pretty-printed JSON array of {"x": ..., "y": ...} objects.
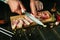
[
  {"x": 51, "y": 19},
  {"x": 20, "y": 17}
]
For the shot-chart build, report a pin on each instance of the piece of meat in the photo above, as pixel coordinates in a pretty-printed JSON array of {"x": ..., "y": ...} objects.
[
  {"x": 56, "y": 23},
  {"x": 14, "y": 23},
  {"x": 58, "y": 17},
  {"x": 28, "y": 19},
  {"x": 20, "y": 24},
  {"x": 26, "y": 22},
  {"x": 25, "y": 25},
  {"x": 44, "y": 15}
]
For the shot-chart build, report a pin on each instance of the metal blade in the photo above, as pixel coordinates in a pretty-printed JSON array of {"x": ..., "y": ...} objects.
[{"x": 34, "y": 19}]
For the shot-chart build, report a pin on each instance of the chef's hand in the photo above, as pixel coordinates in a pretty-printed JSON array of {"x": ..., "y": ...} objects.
[
  {"x": 16, "y": 6},
  {"x": 36, "y": 6}
]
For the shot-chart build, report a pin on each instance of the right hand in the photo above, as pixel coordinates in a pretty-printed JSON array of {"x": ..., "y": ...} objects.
[{"x": 16, "y": 6}]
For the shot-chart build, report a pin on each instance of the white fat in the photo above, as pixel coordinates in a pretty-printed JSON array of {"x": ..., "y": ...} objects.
[
  {"x": 26, "y": 22},
  {"x": 44, "y": 25},
  {"x": 56, "y": 23},
  {"x": 14, "y": 24},
  {"x": 19, "y": 25},
  {"x": 28, "y": 19},
  {"x": 51, "y": 26}
]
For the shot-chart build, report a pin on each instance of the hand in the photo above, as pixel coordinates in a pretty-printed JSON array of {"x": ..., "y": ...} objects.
[
  {"x": 39, "y": 5},
  {"x": 36, "y": 6},
  {"x": 16, "y": 6}
]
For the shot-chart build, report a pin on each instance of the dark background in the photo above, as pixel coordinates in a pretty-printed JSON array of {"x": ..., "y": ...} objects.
[{"x": 49, "y": 34}]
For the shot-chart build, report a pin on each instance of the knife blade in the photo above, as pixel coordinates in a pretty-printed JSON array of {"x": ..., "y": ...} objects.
[{"x": 33, "y": 18}]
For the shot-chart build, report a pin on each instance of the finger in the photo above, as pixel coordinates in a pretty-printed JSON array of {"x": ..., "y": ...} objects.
[
  {"x": 37, "y": 5},
  {"x": 32, "y": 6},
  {"x": 40, "y": 5}
]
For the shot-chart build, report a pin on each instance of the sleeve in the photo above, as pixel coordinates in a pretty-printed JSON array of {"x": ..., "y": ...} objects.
[{"x": 5, "y": 1}]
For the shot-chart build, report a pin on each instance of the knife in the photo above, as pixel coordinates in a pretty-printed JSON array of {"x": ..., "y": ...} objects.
[{"x": 33, "y": 18}]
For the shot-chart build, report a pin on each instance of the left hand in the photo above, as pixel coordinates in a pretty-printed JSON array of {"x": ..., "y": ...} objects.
[{"x": 36, "y": 6}]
